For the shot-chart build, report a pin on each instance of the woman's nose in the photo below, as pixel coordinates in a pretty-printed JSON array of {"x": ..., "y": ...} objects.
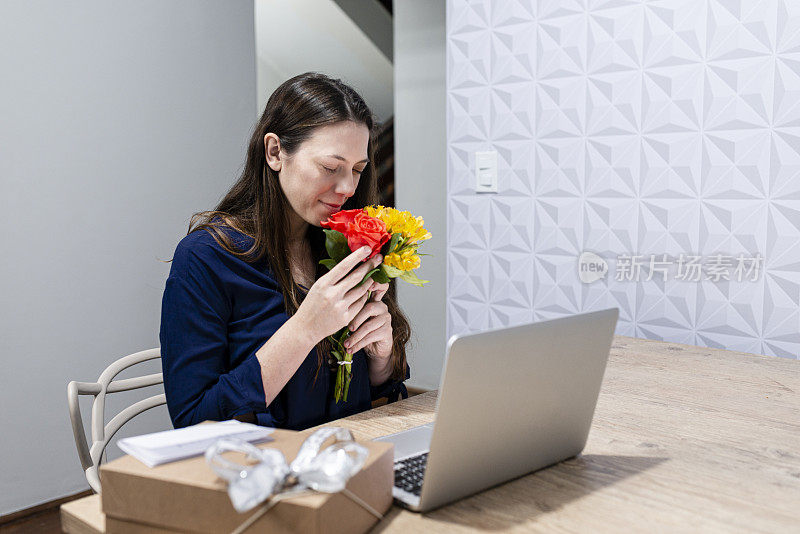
[{"x": 347, "y": 186}]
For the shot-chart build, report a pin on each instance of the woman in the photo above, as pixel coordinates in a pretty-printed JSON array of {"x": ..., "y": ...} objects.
[{"x": 247, "y": 307}]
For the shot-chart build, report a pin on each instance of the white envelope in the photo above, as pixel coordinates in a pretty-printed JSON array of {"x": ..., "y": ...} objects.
[{"x": 171, "y": 445}]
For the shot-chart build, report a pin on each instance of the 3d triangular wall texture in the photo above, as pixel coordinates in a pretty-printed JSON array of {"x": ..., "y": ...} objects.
[{"x": 627, "y": 128}]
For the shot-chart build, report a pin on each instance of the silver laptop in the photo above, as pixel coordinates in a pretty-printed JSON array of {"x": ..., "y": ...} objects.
[{"x": 511, "y": 401}]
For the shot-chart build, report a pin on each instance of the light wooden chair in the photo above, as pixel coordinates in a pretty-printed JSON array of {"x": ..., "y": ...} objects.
[{"x": 91, "y": 456}]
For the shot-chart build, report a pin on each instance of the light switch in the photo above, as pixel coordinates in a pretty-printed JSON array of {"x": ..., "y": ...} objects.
[{"x": 486, "y": 172}]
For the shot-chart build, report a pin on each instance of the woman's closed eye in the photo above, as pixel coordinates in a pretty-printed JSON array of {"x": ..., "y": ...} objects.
[{"x": 336, "y": 169}]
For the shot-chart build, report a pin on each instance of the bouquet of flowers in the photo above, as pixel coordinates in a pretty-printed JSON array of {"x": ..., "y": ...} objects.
[{"x": 394, "y": 234}]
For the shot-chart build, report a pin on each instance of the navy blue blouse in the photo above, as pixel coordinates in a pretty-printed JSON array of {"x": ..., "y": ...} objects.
[{"x": 217, "y": 311}]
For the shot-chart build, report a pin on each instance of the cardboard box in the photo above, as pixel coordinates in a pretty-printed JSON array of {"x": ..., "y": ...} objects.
[
  {"x": 84, "y": 516},
  {"x": 187, "y": 496}
]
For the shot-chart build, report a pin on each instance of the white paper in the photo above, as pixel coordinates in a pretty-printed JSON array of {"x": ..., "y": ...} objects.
[{"x": 171, "y": 445}]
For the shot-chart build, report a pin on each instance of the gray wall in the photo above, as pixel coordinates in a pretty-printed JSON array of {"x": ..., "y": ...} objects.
[
  {"x": 119, "y": 119},
  {"x": 317, "y": 35},
  {"x": 421, "y": 171}
]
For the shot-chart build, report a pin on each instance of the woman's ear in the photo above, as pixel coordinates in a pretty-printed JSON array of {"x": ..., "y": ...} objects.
[{"x": 272, "y": 150}]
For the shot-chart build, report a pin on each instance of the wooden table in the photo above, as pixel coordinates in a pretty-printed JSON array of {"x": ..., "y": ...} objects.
[{"x": 684, "y": 439}]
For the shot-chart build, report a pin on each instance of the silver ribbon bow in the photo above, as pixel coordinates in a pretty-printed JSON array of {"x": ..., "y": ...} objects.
[{"x": 326, "y": 471}]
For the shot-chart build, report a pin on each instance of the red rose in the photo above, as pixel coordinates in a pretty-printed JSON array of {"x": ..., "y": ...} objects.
[
  {"x": 366, "y": 230},
  {"x": 339, "y": 220},
  {"x": 360, "y": 229}
]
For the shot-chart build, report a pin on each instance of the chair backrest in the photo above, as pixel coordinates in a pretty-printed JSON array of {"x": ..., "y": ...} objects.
[{"x": 91, "y": 455}]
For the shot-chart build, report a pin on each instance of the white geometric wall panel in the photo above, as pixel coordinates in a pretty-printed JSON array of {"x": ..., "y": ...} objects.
[{"x": 639, "y": 131}]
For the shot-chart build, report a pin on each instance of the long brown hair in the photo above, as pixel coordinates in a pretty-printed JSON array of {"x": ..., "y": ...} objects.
[{"x": 256, "y": 205}]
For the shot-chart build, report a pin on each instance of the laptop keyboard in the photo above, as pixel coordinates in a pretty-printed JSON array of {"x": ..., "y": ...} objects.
[{"x": 408, "y": 473}]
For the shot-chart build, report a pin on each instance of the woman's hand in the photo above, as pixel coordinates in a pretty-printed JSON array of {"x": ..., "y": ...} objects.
[
  {"x": 371, "y": 328},
  {"x": 334, "y": 300}
]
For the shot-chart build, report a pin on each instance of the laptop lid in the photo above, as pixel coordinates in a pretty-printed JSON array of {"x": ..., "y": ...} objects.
[{"x": 515, "y": 400}]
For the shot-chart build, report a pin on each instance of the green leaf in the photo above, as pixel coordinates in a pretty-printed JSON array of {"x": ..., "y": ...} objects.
[
  {"x": 392, "y": 244},
  {"x": 369, "y": 275},
  {"x": 336, "y": 245},
  {"x": 381, "y": 277},
  {"x": 391, "y": 272},
  {"x": 330, "y": 263},
  {"x": 411, "y": 278}
]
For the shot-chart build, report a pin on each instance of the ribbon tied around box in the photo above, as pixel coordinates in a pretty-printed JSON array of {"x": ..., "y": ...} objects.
[{"x": 326, "y": 470}]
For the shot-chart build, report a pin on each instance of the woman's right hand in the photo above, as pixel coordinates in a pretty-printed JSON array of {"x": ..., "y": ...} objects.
[{"x": 334, "y": 300}]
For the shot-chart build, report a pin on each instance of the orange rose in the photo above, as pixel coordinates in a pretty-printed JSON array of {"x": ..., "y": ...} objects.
[
  {"x": 366, "y": 230},
  {"x": 340, "y": 220},
  {"x": 360, "y": 229}
]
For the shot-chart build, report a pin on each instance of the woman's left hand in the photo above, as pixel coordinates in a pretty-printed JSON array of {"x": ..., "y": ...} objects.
[{"x": 371, "y": 328}]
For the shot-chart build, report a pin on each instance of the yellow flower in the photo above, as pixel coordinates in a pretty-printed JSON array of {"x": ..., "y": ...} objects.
[
  {"x": 403, "y": 222},
  {"x": 375, "y": 211},
  {"x": 418, "y": 234},
  {"x": 406, "y": 260},
  {"x": 390, "y": 216}
]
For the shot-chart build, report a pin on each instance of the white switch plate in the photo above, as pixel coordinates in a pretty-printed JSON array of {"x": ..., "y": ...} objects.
[{"x": 486, "y": 172}]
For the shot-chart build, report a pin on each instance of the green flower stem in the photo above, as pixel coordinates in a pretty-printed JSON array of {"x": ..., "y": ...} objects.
[
  {"x": 337, "y": 389},
  {"x": 347, "y": 374},
  {"x": 344, "y": 373}
]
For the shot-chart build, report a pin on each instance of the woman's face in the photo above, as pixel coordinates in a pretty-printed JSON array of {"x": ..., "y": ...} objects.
[{"x": 322, "y": 173}]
